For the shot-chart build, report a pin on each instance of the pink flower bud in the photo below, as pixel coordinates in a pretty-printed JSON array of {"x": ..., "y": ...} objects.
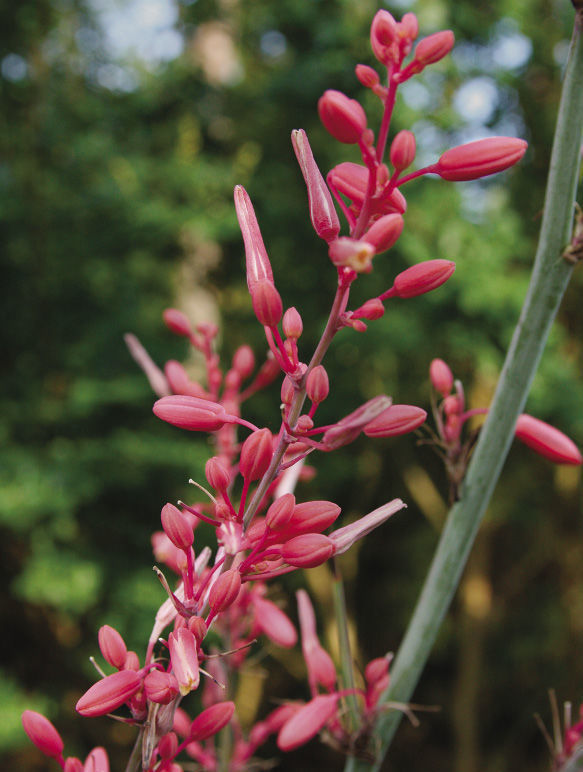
[
  {"x": 441, "y": 377},
  {"x": 266, "y": 303},
  {"x": 279, "y": 513},
  {"x": 367, "y": 76},
  {"x": 307, "y": 722},
  {"x": 168, "y": 746},
  {"x": 274, "y": 623},
  {"x": 452, "y": 405},
  {"x": 211, "y": 721},
  {"x": 313, "y": 517},
  {"x": 398, "y": 419},
  {"x": 198, "y": 628},
  {"x": 376, "y": 669},
  {"x": 383, "y": 36},
  {"x": 217, "y": 474},
  {"x": 257, "y": 261},
  {"x": 322, "y": 212},
  {"x": 160, "y": 687},
  {"x": 422, "y": 278},
  {"x": 547, "y": 441},
  {"x": 348, "y": 428},
  {"x": 292, "y": 324},
  {"x": 434, "y": 47},
  {"x": 132, "y": 661},
  {"x": 73, "y": 764},
  {"x": 225, "y": 590},
  {"x": 346, "y": 252},
  {"x": 244, "y": 361},
  {"x": 112, "y": 646},
  {"x": 287, "y": 391},
  {"x": 43, "y": 734},
  {"x": 409, "y": 27},
  {"x": 308, "y": 551},
  {"x": 256, "y": 454},
  {"x": 97, "y": 761},
  {"x": 184, "y": 659},
  {"x": 317, "y": 384},
  {"x": 343, "y": 117},
  {"x": 384, "y": 232},
  {"x": 177, "y": 322},
  {"x": 480, "y": 158},
  {"x": 403, "y": 148},
  {"x": 371, "y": 310},
  {"x": 176, "y": 527},
  {"x": 192, "y": 413},
  {"x": 179, "y": 381},
  {"x": 109, "y": 693},
  {"x": 343, "y": 538},
  {"x": 181, "y": 723}
]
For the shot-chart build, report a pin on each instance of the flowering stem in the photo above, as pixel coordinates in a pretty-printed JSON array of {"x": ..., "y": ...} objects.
[
  {"x": 549, "y": 280},
  {"x": 344, "y": 644}
]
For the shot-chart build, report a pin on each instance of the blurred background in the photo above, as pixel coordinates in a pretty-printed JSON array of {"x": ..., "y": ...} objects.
[{"x": 124, "y": 126}]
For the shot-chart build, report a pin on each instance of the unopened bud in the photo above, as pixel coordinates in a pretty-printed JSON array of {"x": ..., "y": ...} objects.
[
  {"x": 292, "y": 324},
  {"x": 177, "y": 322},
  {"x": 274, "y": 623},
  {"x": 43, "y": 734},
  {"x": 176, "y": 527},
  {"x": 266, "y": 303},
  {"x": 367, "y": 76},
  {"x": 307, "y": 721},
  {"x": 343, "y": 117},
  {"x": 244, "y": 361},
  {"x": 403, "y": 148},
  {"x": 192, "y": 413},
  {"x": 109, "y": 693},
  {"x": 371, "y": 310},
  {"x": 396, "y": 420},
  {"x": 441, "y": 377},
  {"x": 225, "y": 590},
  {"x": 308, "y": 550},
  {"x": 384, "y": 232},
  {"x": 217, "y": 474},
  {"x": 547, "y": 441},
  {"x": 317, "y": 384},
  {"x": 112, "y": 646},
  {"x": 421, "y": 278},
  {"x": 480, "y": 158},
  {"x": 256, "y": 454},
  {"x": 211, "y": 721},
  {"x": 279, "y": 513},
  {"x": 433, "y": 48},
  {"x": 160, "y": 687}
]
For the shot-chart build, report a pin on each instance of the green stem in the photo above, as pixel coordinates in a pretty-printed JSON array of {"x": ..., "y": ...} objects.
[
  {"x": 549, "y": 280},
  {"x": 344, "y": 645},
  {"x": 135, "y": 759}
]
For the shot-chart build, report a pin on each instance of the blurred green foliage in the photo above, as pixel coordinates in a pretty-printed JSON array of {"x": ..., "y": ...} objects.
[{"x": 115, "y": 202}]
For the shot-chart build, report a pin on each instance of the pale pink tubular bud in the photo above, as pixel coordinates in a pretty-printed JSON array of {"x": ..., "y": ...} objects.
[
  {"x": 547, "y": 441},
  {"x": 292, "y": 324},
  {"x": 112, "y": 646},
  {"x": 274, "y": 623},
  {"x": 307, "y": 722},
  {"x": 346, "y": 252},
  {"x": 422, "y": 278},
  {"x": 184, "y": 659},
  {"x": 177, "y": 322},
  {"x": 320, "y": 666},
  {"x": 179, "y": 381},
  {"x": 225, "y": 590},
  {"x": 384, "y": 232},
  {"x": 176, "y": 527},
  {"x": 342, "y": 117},
  {"x": 266, "y": 303},
  {"x": 434, "y": 47},
  {"x": 441, "y": 377},
  {"x": 192, "y": 413},
  {"x": 155, "y": 376},
  {"x": 349, "y": 427},
  {"x": 73, "y": 764},
  {"x": 256, "y": 454},
  {"x": 97, "y": 761},
  {"x": 257, "y": 261},
  {"x": 211, "y": 721},
  {"x": 480, "y": 158},
  {"x": 244, "y": 361},
  {"x": 398, "y": 419},
  {"x": 308, "y": 551},
  {"x": 403, "y": 149},
  {"x": 322, "y": 212},
  {"x": 317, "y": 384},
  {"x": 313, "y": 517},
  {"x": 43, "y": 734},
  {"x": 217, "y": 474},
  {"x": 367, "y": 76},
  {"x": 161, "y": 687},
  {"x": 344, "y": 538},
  {"x": 109, "y": 693},
  {"x": 168, "y": 746},
  {"x": 279, "y": 513}
]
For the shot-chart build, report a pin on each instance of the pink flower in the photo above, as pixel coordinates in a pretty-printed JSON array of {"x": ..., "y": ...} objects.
[
  {"x": 192, "y": 413},
  {"x": 43, "y": 734},
  {"x": 480, "y": 158},
  {"x": 177, "y": 322},
  {"x": 97, "y": 761},
  {"x": 547, "y": 441},
  {"x": 225, "y": 590},
  {"x": 420, "y": 278},
  {"x": 433, "y": 48},
  {"x": 344, "y": 538},
  {"x": 396, "y": 420},
  {"x": 274, "y": 623},
  {"x": 343, "y": 117},
  {"x": 112, "y": 646},
  {"x": 256, "y": 454},
  {"x": 320, "y": 666},
  {"x": 184, "y": 659},
  {"x": 441, "y": 377},
  {"x": 307, "y": 722},
  {"x": 109, "y": 693},
  {"x": 403, "y": 147},
  {"x": 211, "y": 721},
  {"x": 308, "y": 550}
]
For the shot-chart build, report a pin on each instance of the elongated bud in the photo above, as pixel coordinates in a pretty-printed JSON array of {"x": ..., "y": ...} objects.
[
  {"x": 384, "y": 232},
  {"x": 211, "y": 721},
  {"x": 377, "y": 669},
  {"x": 433, "y": 48},
  {"x": 317, "y": 384},
  {"x": 97, "y": 761},
  {"x": 161, "y": 687},
  {"x": 287, "y": 391},
  {"x": 403, "y": 147},
  {"x": 184, "y": 659},
  {"x": 198, "y": 628},
  {"x": 176, "y": 527},
  {"x": 168, "y": 746},
  {"x": 308, "y": 550},
  {"x": 480, "y": 158},
  {"x": 257, "y": 261},
  {"x": 441, "y": 377},
  {"x": 217, "y": 474},
  {"x": 192, "y": 413},
  {"x": 109, "y": 693},
  {"x": 177, "y": 322},
  {"x": 307, "y": 722},
  {"x": 348, "y": 428},
  {"x": 43, "y": 734},
  {"x": 321, "y": 669},
  {"x": 409, "y": 27},
  {"x": 343, "y": 117},
  {"x": 367, "y": 76},
  {"x": 292, "y": 324},
  {"x": 132, "y": 661},
  {"x": 112, "y": 646},
  {"x": 225, "y": 590},
  {"x": 343, "y": 538},
  {"x": 244, "y": 361},
  {"x": 280, "y": 512},
  {"x": 396, "y": 420},
  {"x": 421, "y": 278},
  {"x": 73, "y": 764},
  {"x": 266, "y": 303},
  {"x": 313, "y": 517},
  {"x": 274, "y": 623},
  {"x": 179, "y": 381},
  {"x": 322, "y": 212},
  {"x": 547, "y": 441},
  {"x": 383, "y": 36},
  {"x": 371, "y": 310},
  {"x": 346, "y": 252},
  {"x": 256, "y": 454}
]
